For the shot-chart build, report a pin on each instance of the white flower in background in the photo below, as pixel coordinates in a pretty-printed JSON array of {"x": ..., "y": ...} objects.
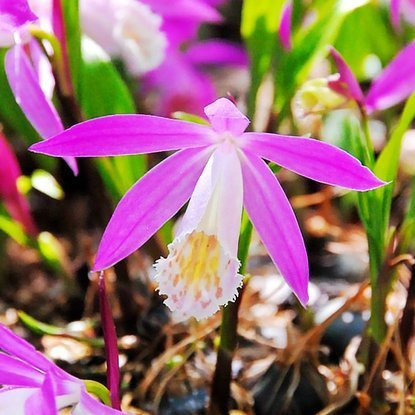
[
  {"x": 125, "y": 29},
  {"x": 408, "y": 153}
]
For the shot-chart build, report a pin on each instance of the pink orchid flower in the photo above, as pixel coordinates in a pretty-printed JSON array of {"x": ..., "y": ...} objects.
[
  {"x": 14, "y": 17},
  {"x": 13, "y": 200},
  {"x": 189, "y": 68},
  {"x": 32, "y": 384},
  {"x": 31, "y": 79},
  {"x": 220, "y": 168},
  {"x": 393, "y": 85}
]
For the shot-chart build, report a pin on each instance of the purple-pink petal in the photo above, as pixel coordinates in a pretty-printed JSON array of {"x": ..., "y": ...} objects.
[
  {"x": 43, "y": 400},
  {"x": 216, "y": 52},
  {"x": 284, "y": 30},
  {"x": 16, "y": 346},
  {"x": 13, "y": 200},
  {"x": 15, "y": 13},
  {"x": 225, "y": 117},
  {"x": 153, "y": 200},
  {"x": 274, "y": 220},
  {"x": 16, "y": 372},
  {"x": 314, "y": 159},
  {"x": 111, "y": 346},
  {"x": 38, "y": 109},
  {"x": 347, "y": 84},
  {"x": 125, "y": 134},
  {"x": 395, "y": 11},
  {"x": 395, "y": 83},
  {"x": 90, "y": 406}
]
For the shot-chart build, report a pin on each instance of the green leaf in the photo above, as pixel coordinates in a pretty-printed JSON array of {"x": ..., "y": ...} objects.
[
  {"x": 51, "y": 251},
  {"x": 99, "y": 390},
  {"x": 310, "y": 42},
  {"x": 42, "y": 329},
  {"x": 103, "y": 93},
  {"x": 73, "y": 41},
  {"x": 259, "y": 26},
  {"x": 13, "y": 229},
  {"x": 38, "y": 327},
  {"x": 387, "y": 164},
  {"x": 374, "y": 39}
]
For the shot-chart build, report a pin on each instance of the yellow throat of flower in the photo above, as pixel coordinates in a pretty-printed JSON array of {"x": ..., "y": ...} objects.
[{"x": 198, "y": 275}]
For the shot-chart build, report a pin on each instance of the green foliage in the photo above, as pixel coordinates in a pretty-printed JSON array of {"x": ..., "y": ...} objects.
[
  {"x": 73, "y": 41},
  {"x": 260, "y": 22},
  {"x": 104, "y": 92},
  {"x": 310, "y": 42},
  {"x": 374, "y": 38}
]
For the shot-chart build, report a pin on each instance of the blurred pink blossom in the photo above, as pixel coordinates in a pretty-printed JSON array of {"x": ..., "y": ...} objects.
[{"x": 13, "y": 200}]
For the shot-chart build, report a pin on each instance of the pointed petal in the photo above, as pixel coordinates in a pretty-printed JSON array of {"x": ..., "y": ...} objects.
[
  {"x": 153, "y": 200},
  {"x": 16, "y": 346},
  {"x": 125, "y": 134},
  {"x": 111, "y": 347},
  {"x": 314, "y": 159},
  {"x": 38, "y": 109},
  {"x": 43, "y": 400},
  {"x": 347, "y": 84},
  {"x": 395, "y": 83},
  {"x": 15, "y": 372},
  {"x": 274, "y": 220},
  {"x": 13, "y": 400},
  {"x": 284, "y": 30},
  {"x": 224, "y": 117},
  {"x": 216, "y": 52}
]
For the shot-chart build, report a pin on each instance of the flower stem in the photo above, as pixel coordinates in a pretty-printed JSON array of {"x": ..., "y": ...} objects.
[
  {"x": 111, "y": 347},
  {"x": 221, "y": 382}
]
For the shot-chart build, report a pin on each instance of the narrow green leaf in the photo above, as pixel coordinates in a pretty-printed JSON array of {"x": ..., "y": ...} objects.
[
  {"x": 73, "y": 41},
  {"x": 260, "y": 22},
  {"x": 103, "y": 93}
]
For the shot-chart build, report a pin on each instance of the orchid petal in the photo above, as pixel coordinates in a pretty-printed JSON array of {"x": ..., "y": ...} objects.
[
  {"x": 216, "y": 52},
  {"x": 125, "y": 134},
  {"x": 200, "y": 274},
  {"x": 153, "y": 200},
  {"x": 20, "y": 348},
  {"x": 395, "y": 83},
  {"x": 314, "y": 159},
  {"x": 274, "y": 220},
  {"x": 15, "y": 13},
  {"x": 347, "y": 84},
  {"x": 42, "y": 69},
  {"x": 43, "y": 401},
  {"x": 15, "y": 372},
  {"x": 395, "y": 11},
  {"x": 28, "y": 94},
  {"x": 284, "y": 30},
  {"x": 14, "y": 202},
  {"x": 90, "y": 406},
  {"x": 225, "y": 117},
  {"x": 13, "y": 400},
  {"x": 193, "y": 10}
]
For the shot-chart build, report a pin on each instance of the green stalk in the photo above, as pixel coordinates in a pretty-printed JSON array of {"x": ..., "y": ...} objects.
[
  {"x": 376, "y": 243},
  {"x": 221, "y": 382}
]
